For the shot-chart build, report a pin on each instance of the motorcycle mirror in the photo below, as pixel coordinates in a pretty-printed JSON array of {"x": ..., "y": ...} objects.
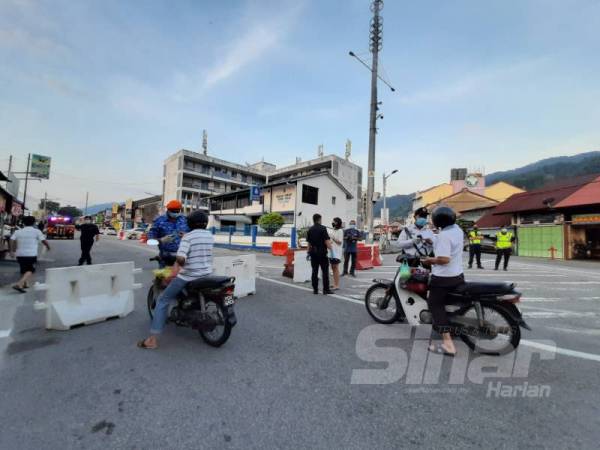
[{"x": 152, "y": 242}]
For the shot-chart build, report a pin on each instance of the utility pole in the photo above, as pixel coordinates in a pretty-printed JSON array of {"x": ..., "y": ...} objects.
[
  {"x": 375, "y": 47},
  {"x": 385, "y": 219},
  {"x": 45, "y": 204},
  {"x": 87, "y": 196},
  {"x": 26, "y": 180}
]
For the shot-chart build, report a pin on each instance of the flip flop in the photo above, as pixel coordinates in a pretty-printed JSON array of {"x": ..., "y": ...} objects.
[
  {"x": 21, "y": 290},
  {"x": 439, "y": 350},
  {"x": 142, "y": 344}
]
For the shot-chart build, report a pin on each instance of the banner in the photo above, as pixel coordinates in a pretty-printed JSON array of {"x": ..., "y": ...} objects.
[
  {"x": 40, "y": 166},
  {"x": 586, "y": 218}
]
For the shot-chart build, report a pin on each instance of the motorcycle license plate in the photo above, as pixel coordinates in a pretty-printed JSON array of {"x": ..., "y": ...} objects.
[{"x": 229, "y": 300}]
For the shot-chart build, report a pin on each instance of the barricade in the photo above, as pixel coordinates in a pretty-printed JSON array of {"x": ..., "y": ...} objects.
[
  {"x": 302, "y": 267},
  {"x": 144, "y": 238},
  {"x": 376, "y": 256},
  {"x": 364, "y": 260},
  {"x": 83, "y": 295},
  {"x": 279, "y": 248},
  {"x": 288, "y": 267},
  {"x": 243, "y": 268},
  {"x": 121, "y": 235}
]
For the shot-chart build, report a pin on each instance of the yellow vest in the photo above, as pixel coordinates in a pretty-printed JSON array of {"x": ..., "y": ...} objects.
[
  {"x": 473, "y": 237},
  {"x": 504, "y": 240}
]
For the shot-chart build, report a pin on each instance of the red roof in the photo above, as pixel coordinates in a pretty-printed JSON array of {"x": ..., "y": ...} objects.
[
  {"x": 492, "y": 220},
  {"x": 550, "y": 196},
  {"x": 587, "y": 195}
]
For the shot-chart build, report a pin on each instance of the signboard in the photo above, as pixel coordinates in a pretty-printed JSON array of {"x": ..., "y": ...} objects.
[
  {"x": 115, "y": 208},
  {"x": 12, "y": 187},
  {"x": 583, "y": 219},
  {"x": 254, "y": 193},
  {"x": 40, "y": 166},
  {"x": 283, "y": 198}
]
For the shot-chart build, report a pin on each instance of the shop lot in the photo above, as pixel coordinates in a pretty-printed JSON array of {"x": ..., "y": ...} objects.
[{"x": 284, "y": 378}]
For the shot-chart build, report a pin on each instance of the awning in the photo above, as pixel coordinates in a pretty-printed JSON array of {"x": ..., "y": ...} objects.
[{"x": 235, "y": 218}]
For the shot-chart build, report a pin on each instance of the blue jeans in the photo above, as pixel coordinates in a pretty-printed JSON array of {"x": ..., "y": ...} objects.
[{"x": 161, "y": 310}]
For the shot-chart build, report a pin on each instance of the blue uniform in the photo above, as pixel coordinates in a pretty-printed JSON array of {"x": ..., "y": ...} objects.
[{"x": 162, "y": 227}]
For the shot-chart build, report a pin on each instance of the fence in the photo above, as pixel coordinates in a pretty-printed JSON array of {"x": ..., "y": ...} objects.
[{"x": 255, "y": 240}]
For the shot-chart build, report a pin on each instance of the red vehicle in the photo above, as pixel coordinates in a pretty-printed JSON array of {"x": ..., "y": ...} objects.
[{"x": 60, "y": 227}]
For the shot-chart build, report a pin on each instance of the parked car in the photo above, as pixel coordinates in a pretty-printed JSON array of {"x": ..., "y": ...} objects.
[
  {"x": 135, "y": 233},
  {"x": 109, "y": 231}
]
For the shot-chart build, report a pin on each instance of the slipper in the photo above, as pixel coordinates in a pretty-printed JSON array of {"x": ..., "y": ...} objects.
[
  {"x": 142, "y": 344},
  {"x": 21, "y": 290},
  {"x": 439, "y": 350}
]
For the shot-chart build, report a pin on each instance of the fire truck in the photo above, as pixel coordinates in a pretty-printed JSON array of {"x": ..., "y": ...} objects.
[{"x": 60, "y": 227}]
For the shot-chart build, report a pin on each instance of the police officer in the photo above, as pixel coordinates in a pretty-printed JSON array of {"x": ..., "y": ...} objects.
[
  {"x": 504, "y": 241},
  {"x": 475, "y": 247},
  {"x": 319, "y": 244},
  {"x": 168, "y": 230},
  {"x": 412, "y": 238}
]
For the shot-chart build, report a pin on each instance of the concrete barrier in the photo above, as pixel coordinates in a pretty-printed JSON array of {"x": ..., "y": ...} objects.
[
  {"x": 82, "y": 295},
  {"x": 243, "y": 268},
  {"x": 302, "y": 267}
]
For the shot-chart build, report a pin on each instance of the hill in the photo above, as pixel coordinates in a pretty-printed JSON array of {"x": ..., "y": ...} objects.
[
  {"x": 94, "y": 209},
  {"x": 540, "y": 173},
  {"x": 399, "y": 205}
]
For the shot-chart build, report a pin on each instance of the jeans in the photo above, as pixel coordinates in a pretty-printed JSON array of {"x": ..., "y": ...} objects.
[
  {"x": 161, "y": 310},
  {"x": 347, "y": 257}
]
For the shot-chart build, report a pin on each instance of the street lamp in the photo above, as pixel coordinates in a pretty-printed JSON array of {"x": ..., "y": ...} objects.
[{"x": 385, "y": 177}]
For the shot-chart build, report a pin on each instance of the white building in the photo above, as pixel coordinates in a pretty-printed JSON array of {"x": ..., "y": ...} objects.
[{"x": 296, "y": 199}]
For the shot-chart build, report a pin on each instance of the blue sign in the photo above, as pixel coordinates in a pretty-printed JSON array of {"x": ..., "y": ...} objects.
[{"x": 254, "y": 193}]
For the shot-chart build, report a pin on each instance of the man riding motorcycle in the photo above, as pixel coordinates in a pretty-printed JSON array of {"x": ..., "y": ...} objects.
[{"x": 168, "y": 230}]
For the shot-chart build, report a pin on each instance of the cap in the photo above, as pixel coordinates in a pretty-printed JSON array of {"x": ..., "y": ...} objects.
[{"x": 174, "y": 204}]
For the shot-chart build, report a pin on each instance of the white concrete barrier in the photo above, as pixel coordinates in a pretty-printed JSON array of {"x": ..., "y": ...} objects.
[
  {"x": 243, "y": 268},
  {"x": 302, "y": 267},
  {"x": 82, "y": 295}
]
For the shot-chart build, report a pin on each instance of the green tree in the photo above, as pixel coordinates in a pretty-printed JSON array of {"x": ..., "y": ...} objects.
[
  {"x": 50, "y": 206},
  {"x": 271, "y": 222},
  {"x": 70, "y": 211}
]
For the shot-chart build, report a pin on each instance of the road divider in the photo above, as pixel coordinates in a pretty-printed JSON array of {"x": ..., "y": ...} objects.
[{"x": 243, "y": 268}]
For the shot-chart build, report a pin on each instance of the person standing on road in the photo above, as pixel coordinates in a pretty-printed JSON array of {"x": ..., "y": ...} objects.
[
  {"x": 24, "y": 244},
  {"x": 335, "y": 254},
  {"x": 475, "y": 238},
  {"x": 446, "y": 274},
  {"x": 504, "y": 241},
  {"x": 194, "y": 260},
  {"x": 89, "y": 234},
  {"x": 318, "y": 245},
  {"x": 168, "y": 229},
  {"x": 415, "y": 238},
  {"x": 351, "y": 237}
]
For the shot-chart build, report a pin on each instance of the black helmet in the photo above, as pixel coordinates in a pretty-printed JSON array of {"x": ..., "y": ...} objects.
[
  {"x": 443, "y": 216},
  {"x": 197, "y": 219},
  {"x": 421, "y": 212}
]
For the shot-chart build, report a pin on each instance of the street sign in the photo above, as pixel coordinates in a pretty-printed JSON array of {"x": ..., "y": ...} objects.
[
  {"x": 254, "y": 193},
  {"x": 40, "y": 166}
]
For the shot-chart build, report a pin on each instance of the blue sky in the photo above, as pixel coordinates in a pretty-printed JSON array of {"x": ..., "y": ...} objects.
[{"x": 110, "y": 88}]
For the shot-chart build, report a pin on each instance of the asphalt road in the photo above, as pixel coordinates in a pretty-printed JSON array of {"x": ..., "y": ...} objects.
[{"x": 285, "y": 378}]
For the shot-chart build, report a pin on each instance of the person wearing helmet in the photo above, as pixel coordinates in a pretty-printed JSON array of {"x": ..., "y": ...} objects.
[
  {"x": 168, "y": 230},
  {"x": 194, "y": 260},
  {"x": 446, "y": 274},
  {"x": 414, "y": 239}
]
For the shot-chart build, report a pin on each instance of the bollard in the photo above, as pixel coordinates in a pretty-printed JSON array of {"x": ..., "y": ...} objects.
[
  {"x": 231, "y": 230},
  {"x": 294, "y": 238},
  {"x": 213, "y": 230},
  {"x": 254, "y": 233}
]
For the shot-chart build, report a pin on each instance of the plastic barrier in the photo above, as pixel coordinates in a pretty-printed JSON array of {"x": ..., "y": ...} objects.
[
  {"x": 376, "y": 256},
  {"x": 364, "y": 260},
  {"x": 143, "y": 238},
  {"x": 302, "y": 267},
  {"x": 243, "y": 268},
  {"x": 83, "y": 295},
  {"x": 279, "y": 248},
  {"x": 121, "y": 235},
  {"x": 288, "y": 267}
]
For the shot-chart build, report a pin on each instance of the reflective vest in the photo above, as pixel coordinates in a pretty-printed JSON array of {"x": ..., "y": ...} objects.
[
  {"x": 473, "y": 237},
  {"x": 504, "y": 240}
]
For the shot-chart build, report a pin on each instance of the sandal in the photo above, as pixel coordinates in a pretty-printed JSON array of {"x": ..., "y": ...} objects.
[
  {"x": 440, "y": 350},
  {"x": 20, "y": 289},
  {"x": 142, "y": 344}
]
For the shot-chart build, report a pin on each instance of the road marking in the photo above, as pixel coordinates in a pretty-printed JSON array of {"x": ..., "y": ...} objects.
[
  {"x": 556, "y": 315},
  {"x": 556, "y": 299},
  {"x": 559, "y": 350}
]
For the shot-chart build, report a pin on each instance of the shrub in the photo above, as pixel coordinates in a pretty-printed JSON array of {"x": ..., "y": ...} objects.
[{"x": 271, "y": 222}]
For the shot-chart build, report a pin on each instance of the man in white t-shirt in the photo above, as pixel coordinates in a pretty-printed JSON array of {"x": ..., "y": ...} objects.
[
  {"x": 25, "y": 243},
  {"x": 446, "y": 274}
]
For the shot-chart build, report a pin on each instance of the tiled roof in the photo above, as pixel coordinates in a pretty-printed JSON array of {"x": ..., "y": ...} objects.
[{"x": 491, "y": 220}]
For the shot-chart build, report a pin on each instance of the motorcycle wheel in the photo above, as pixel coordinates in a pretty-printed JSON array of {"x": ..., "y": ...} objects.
[
  {"x": 219, "y": 335},
  {"x": 151, "y": 300},
  {"x": 381, "y": 305},
  {"x": 504, "y": 342}
]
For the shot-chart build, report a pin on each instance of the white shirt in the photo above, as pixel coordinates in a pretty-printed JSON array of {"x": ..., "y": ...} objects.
[
  {"x": 336, "y": 249},
  {"x": 405, "y": 240},
  {"x": 196, "y": 247},
  {"x": 28, "y": 240},
  {"x": 449, "y": 243}
]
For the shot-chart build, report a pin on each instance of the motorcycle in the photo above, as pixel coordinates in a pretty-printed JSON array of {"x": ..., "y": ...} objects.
[
  {"x": 483, "y": 314},
  {"x": 206, "y": 304}
]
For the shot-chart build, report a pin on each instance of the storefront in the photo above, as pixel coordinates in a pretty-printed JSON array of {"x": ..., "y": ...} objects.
[{"x": 584, "y": 236}]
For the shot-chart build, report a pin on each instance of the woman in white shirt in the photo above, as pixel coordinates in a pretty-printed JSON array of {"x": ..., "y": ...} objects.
[
  {"x": 335, "y": 253},
  {"x": 25, "y": 241}
]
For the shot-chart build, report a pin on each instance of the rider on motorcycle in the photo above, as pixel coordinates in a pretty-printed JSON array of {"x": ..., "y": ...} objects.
[
  {"x": 168, "y": 230},
  {"x": 415, "y": 238},
  {"x": 194, "y": 260}
]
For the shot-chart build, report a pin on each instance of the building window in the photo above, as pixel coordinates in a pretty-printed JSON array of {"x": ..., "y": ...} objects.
[
  {"x": 204, "y": 185},
  {"x": 336, "y": 168},
  {"x": 262, "y": 200},
  {"x": 244, "y": 178},
  {"x": 229, "y": 203},
  {"x": 310, "y": 194},
  {"x": 333, "y": 200},
  {"x": 243, "y": 201}
]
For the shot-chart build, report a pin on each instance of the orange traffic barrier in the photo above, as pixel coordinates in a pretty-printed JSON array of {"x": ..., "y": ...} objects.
[
  {"x": 376, "y": 256},
  {"x": 279, "y": 248},
  {"x": 288, "y": 267},
  {"x": 364, "y": 260}
]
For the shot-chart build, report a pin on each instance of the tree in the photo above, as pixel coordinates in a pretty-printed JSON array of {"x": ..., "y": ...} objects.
[
  {"x": 271, "y": 222},
  {"x": 70, "y": 211},
  {"x": 51, "y": 206}
]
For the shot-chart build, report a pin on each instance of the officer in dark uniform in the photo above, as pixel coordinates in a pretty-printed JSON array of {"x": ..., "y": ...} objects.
[{"x": 318, "y": 245}]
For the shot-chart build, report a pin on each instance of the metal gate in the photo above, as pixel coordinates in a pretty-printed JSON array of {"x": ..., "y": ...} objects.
[{"x": 537, "y": 240}]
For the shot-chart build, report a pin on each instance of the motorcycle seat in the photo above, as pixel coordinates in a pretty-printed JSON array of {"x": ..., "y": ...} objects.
[
  {"x": 208, "y": 282},
  {"x": 473, "y": 288}
]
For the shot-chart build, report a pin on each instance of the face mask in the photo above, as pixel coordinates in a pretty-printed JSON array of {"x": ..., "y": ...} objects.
[
  {"x": 504, "y": 231},
  {"x": 352, "y": 226},
  {"x": 333, "y": 224},
  {"x": 421, "y": 222},
  {"x": 172, "y": 214}
]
